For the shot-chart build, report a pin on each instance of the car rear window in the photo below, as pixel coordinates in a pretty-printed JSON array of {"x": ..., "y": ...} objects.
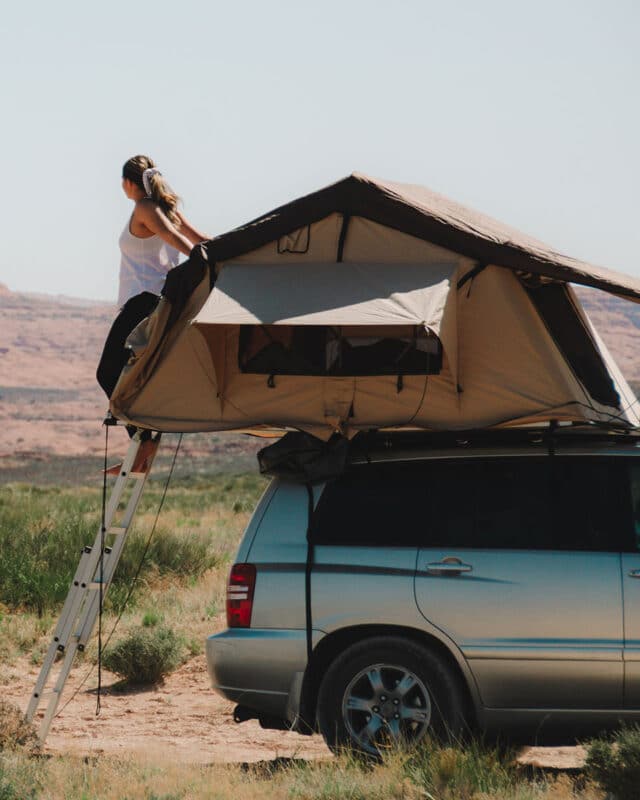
[{"x": 545, "y": 502}]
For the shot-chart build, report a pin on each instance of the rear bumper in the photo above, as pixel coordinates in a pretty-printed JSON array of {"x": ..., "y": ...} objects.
[{"x": 259, "y": 668}]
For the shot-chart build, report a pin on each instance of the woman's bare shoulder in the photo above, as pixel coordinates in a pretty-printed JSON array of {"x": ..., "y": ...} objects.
[{"x": 147, "y": 209}]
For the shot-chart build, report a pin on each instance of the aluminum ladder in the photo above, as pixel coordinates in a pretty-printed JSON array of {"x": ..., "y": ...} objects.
[{"x": 82, "y": 605}]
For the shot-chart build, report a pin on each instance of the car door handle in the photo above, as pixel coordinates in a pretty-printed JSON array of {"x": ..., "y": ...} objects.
[
  {"x": 634, "y": 573},
  {"x": 448, "y": 566}
]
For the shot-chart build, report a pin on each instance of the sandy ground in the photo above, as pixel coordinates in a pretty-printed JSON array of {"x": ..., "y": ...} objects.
[{"x": 183, "y": 720}]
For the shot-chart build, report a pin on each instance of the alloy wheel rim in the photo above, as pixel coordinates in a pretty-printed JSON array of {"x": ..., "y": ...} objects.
[{"x": 386, "y": 705}]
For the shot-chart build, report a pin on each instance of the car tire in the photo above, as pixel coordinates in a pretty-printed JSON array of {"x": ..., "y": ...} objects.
[{"x": 388, "y": 691}]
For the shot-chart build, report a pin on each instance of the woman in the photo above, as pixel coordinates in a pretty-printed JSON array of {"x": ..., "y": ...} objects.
[
  {"x": 150, "y": 246},
  {"x": 156, "y": 232}
]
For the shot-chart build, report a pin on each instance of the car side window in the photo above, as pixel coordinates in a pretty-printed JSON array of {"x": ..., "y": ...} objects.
[
  {"x": 591, "y": 503},
  {"x": 534, "y": 503},
  {"x": 374, "y": 505},
  {"x": 634, "y": 475},
  {"x": 492, "y": 503},
  {"x": 510, "y": 499},
  {"x": 541, "y": 503}
]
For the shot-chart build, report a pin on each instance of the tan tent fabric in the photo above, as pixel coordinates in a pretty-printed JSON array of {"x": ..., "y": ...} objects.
[
  {"x": 329, "y": 294},
  {"x": 368, "y": 261}
]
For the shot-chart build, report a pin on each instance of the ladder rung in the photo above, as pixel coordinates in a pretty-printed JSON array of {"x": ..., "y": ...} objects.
[
  {"x": 116, "y": 530},
  {"x": 47, "y": 694}
]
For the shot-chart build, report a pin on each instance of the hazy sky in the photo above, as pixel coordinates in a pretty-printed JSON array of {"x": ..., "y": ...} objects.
[{"x": 527, "y": 111}]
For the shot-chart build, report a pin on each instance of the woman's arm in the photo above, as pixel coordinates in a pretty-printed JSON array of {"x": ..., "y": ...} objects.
[
  {"x": 190, "y": 232},
  {"x": 155, "y": 220}
]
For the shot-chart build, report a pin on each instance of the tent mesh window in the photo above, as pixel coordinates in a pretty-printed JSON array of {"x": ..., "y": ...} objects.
[{"x": 338, "y": 351}]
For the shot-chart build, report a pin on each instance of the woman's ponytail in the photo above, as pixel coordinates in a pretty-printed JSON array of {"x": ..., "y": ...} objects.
[
  {"x": 162, "y": 194},
  {"x": 153, "y": 184}
]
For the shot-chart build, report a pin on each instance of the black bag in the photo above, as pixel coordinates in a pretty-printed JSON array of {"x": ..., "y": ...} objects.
[
  {"x": 115, "y": 355},
  {"x": 303, "y": 458}
]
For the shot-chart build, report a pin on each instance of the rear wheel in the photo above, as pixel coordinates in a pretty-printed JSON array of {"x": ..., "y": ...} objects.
[{"x": 388, "y": 692}]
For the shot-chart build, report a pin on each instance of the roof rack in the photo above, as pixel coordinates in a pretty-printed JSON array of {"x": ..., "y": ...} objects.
[{"x": 538, "y": 434}]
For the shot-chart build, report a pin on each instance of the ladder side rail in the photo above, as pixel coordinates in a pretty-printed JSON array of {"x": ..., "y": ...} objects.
[
  {"x": 112, "y": 508},
  {"x": 69, "y": 616},
  {"x": 56, "y": 693},
  {"x": 132, "y": 506},
  {"x": 74, "y": 597},
  {"x": 92, "y": 605},
  {"x": 82, "y": 605},
  {"x": 38, "y": 693},
  {"x": 77, "y": 592},
  {"x": 120, "y": 485}
]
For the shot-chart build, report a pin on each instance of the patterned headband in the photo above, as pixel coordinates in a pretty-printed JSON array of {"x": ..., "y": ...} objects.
[{"x": 146, "y": 179}]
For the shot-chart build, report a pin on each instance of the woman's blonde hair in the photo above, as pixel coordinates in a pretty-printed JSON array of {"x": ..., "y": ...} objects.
[{"x": 161, "y": 192}]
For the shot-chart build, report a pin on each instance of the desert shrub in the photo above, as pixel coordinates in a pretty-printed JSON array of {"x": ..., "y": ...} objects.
[
  {"x": 146, "y": 655},
  {"x": 170, "y": 553},
  {"x": 15, "y": 731},
  {"x": 614, "y": 763}
]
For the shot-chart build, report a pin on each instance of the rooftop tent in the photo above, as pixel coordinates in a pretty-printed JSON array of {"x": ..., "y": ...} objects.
[{"x": 373, "y": 305}]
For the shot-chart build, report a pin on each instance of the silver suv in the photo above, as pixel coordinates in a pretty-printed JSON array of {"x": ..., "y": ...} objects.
[{"x": 442, "y": 582}]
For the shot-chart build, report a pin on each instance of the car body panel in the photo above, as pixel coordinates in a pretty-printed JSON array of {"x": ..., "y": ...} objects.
[
  {"x": 362, "y": 585},
  {"x": 631, "y": 590},
  {"x": 539, "y": 629},
  {"x": 256, "y": 667}
]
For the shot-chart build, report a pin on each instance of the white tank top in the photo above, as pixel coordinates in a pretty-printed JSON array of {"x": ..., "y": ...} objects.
[{"x": 144, "y": 264}]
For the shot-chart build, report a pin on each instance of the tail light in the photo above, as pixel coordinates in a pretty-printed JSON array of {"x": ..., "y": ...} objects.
[{"x": 242, "y": 581}]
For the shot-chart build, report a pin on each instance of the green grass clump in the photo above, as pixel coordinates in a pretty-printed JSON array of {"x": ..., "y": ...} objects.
[
  {"x": 146, "y": 655},
  {"x": 614, "y": 763},
  {"x": 41, "y": 535},
  {"x": 43, "y": 530},
  {"x": 282, "y": 778},
  {"x": 466, "y": 771},
  {"x": 193, "y": 494},
  {"x": 11, "y": 789},
  {"x": 150, "y": 619}
]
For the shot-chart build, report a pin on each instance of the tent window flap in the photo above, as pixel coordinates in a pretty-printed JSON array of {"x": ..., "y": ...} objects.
[
  {"x": 339, "y": 350},
  {"x": 329, "y": 294}
]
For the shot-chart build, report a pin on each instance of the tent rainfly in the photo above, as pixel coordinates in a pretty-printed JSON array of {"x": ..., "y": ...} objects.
[{"x": 373, "y": 305}]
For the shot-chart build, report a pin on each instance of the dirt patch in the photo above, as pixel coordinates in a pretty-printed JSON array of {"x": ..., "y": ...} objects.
[
  {"x": 181, "y": 720},
  {"x": 184, "y": 720}
]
